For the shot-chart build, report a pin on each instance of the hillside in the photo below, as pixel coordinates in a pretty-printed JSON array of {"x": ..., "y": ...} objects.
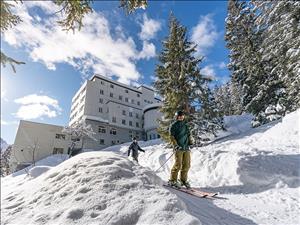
[
  {"x": 4, "y": 145},
  {"x": 255, "y": 170}
]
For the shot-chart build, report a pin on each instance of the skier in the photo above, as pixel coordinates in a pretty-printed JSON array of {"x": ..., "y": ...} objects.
[
  {"x": 135, "y": 149},
  {"x": 181, "y": 139}
]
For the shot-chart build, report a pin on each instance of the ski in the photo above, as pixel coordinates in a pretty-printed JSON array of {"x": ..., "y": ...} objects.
[{"x": 194, "y": 192}]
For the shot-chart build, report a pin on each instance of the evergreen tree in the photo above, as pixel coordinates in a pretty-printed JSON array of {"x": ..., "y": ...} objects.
[
  {"x": 179, "y": 81},
  {"x": 5, "y": 158},
  {"x": 262, "y": 89},
  {"x": 228, "y": 99},
  {"x": 281, "y": 40}
]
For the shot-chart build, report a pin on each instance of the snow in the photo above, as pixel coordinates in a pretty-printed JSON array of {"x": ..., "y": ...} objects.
[
  {"x": 255, "y": 171},
  {"x": 92, "y": 188}
]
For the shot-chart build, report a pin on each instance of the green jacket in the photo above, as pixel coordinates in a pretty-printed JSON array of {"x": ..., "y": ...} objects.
[{"x": 180, "y": 133}]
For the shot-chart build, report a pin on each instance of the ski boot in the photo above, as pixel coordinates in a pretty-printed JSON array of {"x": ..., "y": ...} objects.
[
  {"x": 186, "y": 184},
  {"x": 174, "y": 184}
]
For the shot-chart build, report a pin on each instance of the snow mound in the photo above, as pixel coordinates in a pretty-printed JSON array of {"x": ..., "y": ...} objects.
[
  {"x": 238, "y": 123},
  {"x": 93, "y": 188},
  {"x": 283, "y": 133},
  {"x": 263, "y": 156},
  {"x": 50, "y": 161},
  {"x": 38, "y": 170}
]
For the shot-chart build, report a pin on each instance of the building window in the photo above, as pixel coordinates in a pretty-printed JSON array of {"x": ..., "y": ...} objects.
[
  {"x": 132, "y": 101},
  {"x": 158, "y": 136},
  {"x": 100, "y": 110},
  {"x": 102, "y": 82},
  {"x": 126, "y": 99},
  {"x": 101, "y": 129},
  {"x": 75, "y": 139},
  {"x": 113, "y": 131},
  {"x": 112, "y": 86},
  {"x": 138, "y": 95},
  {"x": 136, "y": 115},
  {"x": 58, "y": 151},
  {"x": 60, "y": 136},
  {"x": 100, "y": 100},
  {"x": 120, "y": 97},
  {"x": 130, "y": 123},
  {"x": 107, "y": 110},
  {"x": 101, "y": 142},
  {"x": 137, "y": 124},
  {"x": 126, "y": 91},
  {"x": 124, "y": 122},
  {"x": 138, "y": 103},
  {"x": 82, "y": 99},
  {"x": 113, "y": 142},
  {"x": 101, "y": 92},
  {"x": 111, "y": 95},
  {"x": 130, "y": 114},
  {"x": 114, "y": 119},
  {"x": 124, "y": 112}
]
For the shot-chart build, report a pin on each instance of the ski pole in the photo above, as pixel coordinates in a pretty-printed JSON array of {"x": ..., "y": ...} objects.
[{"x": 165, "y": 162}]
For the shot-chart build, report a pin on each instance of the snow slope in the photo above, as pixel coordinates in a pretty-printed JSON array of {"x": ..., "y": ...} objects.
[
  {"x": 256, "y": 171},
  {"x": 91, "y": 188}
]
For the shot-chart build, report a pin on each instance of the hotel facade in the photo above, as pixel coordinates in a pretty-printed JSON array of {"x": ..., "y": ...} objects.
[{"x": 116, "y": 112}]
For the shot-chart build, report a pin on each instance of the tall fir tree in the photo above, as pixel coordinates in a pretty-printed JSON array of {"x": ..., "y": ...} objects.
[
  {"x": 228, "y": 99},
  {"x": 261, "y": 88},
  {"x": 179, "y": 81},
  {"x": 280, "y": 21}
]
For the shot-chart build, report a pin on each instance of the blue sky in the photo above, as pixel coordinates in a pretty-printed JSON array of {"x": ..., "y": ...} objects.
[{"x": 111, "y": 43}]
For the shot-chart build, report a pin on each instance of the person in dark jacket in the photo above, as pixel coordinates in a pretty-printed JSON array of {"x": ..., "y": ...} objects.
[
  {"x": 181, "y": 140},
  {"x": 135, "y": 148}
]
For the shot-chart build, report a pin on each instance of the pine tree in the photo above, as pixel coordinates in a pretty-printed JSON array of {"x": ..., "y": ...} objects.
[
  {"x": 228, "y": 99},
  {"x": 281, "y": 40},
  {"x": 262, "y": 89},
  {"x": 5, "y": 158},
  {"x": 179, "y": 81}
]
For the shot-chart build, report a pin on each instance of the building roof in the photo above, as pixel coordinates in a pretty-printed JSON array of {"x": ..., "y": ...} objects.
[{"x": 115, "y": 82}]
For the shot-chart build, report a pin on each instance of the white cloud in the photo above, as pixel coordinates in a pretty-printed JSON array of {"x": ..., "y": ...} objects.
[
  {"x": 149, "y": 28},
  {"x": 3, "y": 122},
  {"x": 222, "y": 65},
  {"x": 3, "y": 94},
  {"x": 209, "y": 71},
  {"x": 91, "y": 50},
  {"x": 36, "y": 106},
  {"x": 148, "y": 51},
  {"x": 6, "y": 123},
  {"x": 204, "y": 34}
]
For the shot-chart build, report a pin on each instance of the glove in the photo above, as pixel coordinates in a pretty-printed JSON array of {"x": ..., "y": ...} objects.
[
  {"x": 191, "y": 140},
  {"x": 177, "y": 148}
]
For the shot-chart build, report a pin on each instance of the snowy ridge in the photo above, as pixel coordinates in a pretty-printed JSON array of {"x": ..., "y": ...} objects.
[
  {"x": 90, "y": 188},
  {"x": 257, "y": 170}
]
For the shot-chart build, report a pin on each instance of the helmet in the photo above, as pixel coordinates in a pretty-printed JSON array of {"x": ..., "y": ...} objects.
[{"x": 179, "y": 113}]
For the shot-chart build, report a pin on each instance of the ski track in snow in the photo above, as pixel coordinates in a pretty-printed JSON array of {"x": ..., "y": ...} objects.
[{"x": 255, "y": 170}]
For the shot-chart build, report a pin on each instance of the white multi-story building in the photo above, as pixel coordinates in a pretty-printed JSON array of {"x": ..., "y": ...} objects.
[
  {"x": 115, "y": 111},
  {"x": 35, "y": 141}
]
